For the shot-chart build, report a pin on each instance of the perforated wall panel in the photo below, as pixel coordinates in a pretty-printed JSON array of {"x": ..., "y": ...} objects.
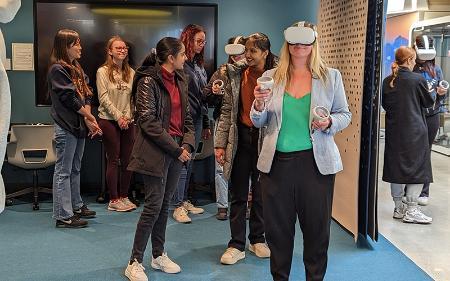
[{"x": 342, "y": 29}]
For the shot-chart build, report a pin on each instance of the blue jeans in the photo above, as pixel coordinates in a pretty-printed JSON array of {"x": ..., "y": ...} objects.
[
  {"x": 66, "y": 178},
  {"x": 221, "y": 183},
  {"x": 180, "y": 194}
]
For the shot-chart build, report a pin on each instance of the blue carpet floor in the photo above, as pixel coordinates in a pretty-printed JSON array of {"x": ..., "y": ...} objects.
[{"x": 32, "y": 249}]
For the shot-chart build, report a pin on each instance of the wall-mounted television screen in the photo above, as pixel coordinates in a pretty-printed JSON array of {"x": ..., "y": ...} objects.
[{"x": 140, "y": 24}]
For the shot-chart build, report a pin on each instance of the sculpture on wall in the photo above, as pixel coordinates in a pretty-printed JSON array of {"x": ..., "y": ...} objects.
[{"x": 8, "y": 10}]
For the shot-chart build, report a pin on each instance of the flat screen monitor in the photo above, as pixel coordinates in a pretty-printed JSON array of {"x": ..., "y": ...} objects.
[{"x": 141, "y": 25}]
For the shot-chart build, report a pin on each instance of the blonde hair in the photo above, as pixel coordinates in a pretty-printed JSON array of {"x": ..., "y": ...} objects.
[
  {"x": 402, "y": 55},
  {"x": 111, "y": 66},
  {"x": 316, "y": 64}
]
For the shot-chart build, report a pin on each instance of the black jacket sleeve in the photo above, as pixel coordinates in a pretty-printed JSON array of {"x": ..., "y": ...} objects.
[
  {"x": 149, "y": 119},
  {"x": 426, "y": 100}
]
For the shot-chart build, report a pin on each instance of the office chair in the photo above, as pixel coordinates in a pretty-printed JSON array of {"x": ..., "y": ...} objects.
[{"x": 31, "y": 147}]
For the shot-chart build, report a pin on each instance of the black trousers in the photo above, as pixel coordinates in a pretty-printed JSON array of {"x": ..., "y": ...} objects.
[
  {"x": 293, "y": 189},
  {"x": 433, "y": 127},
  {"x": 153, "y": 220},
  {"x": 244, "y": 168}
]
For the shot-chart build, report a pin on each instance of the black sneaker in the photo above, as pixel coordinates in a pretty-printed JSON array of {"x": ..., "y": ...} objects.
[
  {"x": 84, "y": 212},
  {"x": 72, "y": 222}
]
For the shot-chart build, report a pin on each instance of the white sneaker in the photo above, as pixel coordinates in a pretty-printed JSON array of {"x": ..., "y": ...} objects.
[
  {"x": 128, "y": 203},
  {"x": 191, "y": 208},
  {"x": 135, "y": 272},
  {"x": 423, "y": 201},
  {"x": 165, "y": 264},
  {"x": 415, "y": 215},
  {"x": 180, "y": 214},
  {"x": 261, "y": 250},
  {"x": 232, "y": 256},
  {"x": 118, "y": 206},
  {"x": 399, "y": 212}
]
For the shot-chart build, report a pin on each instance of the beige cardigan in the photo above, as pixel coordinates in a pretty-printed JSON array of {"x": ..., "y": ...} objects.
[{"x": 115, "y": 100}]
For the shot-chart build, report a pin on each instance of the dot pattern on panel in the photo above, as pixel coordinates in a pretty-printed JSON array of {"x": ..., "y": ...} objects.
[{"x": 342, "y": 32}]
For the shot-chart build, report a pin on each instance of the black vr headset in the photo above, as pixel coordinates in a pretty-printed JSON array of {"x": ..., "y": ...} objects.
[{"x": 300, "y": 34}]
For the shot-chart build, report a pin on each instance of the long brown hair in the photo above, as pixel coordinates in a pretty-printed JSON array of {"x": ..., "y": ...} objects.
[
  {"x": 65, "y": 39},
  {"x": 111, "y": 66},
  {"x": 402, "y": 55},
  {"x": 187, "y": 38}
]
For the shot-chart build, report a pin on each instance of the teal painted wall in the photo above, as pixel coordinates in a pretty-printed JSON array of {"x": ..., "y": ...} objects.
[{"x": 235, "y": 16}]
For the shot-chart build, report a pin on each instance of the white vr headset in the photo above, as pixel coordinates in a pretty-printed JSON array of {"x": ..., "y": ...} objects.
[
  {"x": 300, "y": 35},
  {"x": 427, "y": 52},
  {"x": 235, "y": 48}
]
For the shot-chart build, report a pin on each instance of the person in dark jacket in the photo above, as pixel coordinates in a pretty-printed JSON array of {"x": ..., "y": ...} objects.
[
  {"x": 406, "y": 156},
  {"x": 426, "y": 66},
  {"x": 71, "y": 111},
  {"x": 214, "y": 96},
  {"x": 193, "y": 38},
  {"x": 164, "y": 142},
  {"x": 236, "y": 149}
]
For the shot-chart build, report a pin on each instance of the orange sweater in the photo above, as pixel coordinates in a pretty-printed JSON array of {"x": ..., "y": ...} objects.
[{"x": 248, "y": 84}]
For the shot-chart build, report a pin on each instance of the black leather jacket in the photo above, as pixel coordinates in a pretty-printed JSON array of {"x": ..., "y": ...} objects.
[{"x": 153, "y": 110}]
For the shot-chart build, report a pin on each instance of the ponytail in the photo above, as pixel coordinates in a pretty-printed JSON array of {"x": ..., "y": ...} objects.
[{"x": 394, "y": 68}]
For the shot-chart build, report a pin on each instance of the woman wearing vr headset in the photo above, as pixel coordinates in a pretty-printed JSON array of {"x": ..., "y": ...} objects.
[
  {"x": 407, "y": 162},
  {"x": 164, "y": 142},
  {"x": 299, "y": 158},
  {"x": 193, "y": 37},
  {"x": 235, "y": 49},
  {"x": 426, "y": 66},
  {"x": 236, "y": 148}
]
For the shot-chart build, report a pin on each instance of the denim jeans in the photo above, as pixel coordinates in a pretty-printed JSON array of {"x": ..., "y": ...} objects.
[
  {"x": 180, "y": 194},
  {"x": 220, "y": 182},
  {"x": 66, "y": 178}
]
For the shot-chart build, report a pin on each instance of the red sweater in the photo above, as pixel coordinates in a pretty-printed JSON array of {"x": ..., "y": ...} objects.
[{"x": 175, "y": 126}]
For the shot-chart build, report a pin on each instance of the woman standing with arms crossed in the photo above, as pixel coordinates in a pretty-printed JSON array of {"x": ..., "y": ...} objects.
[
  {"x": 114, "y": 84},
  {"x": 71, "y": 111},
  {"x": 299, "y": 158},
  {"x": 164, "y": 142}
]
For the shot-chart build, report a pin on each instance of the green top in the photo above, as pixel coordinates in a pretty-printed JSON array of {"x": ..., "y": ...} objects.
[{"x": 294, "y": 132}]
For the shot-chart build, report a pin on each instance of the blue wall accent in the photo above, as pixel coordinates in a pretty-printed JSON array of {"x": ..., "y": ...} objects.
[{"x": 235, "y": 17}]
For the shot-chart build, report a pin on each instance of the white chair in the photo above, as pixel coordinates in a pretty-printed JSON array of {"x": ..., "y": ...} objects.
[{"x": 31, "y": 147}]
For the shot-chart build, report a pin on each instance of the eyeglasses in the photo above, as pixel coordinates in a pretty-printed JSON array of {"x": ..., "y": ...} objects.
[
  {"x": 201, "y": 42},
  {"x": 121, "y": 49}
]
